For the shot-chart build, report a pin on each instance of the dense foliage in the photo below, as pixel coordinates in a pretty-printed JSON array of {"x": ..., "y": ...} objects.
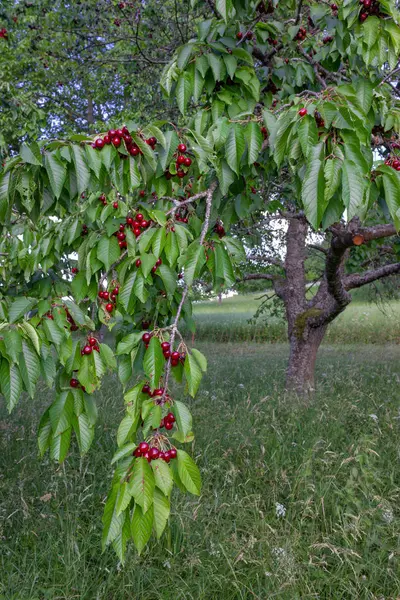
[{"x": 114, "y": 228}]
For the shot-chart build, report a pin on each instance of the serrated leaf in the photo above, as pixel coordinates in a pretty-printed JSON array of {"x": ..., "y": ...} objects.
[
  {"x": 126, "y": 345},
  {"x": 31, "y": 154},
  {"x": 353, "y": 187},
  {"x": 44, "y": 433},
  {"x": 313, "y": 190},
  {"x": 19, "y": 307},
  {"x": 108, "y": 251},
  {"x": 234, "y": 147},
  {"x": 193, "y": 374},
  {"x": 127, "y": 428},
  {"x": 182, "y": 414},
  {"x": 200, "y": 358},
  {"x": 141, "y": 527},
  {"x": 124, "y": 451},
  {"x": 81, "y": 170},
  {"x": 189, "y": 473},
  {"x": 192, "y": 261},
  {"x": 56, "y": 172},
  {"x": 169, "y": 279},
  {"x": 153, "y": 362},
  {"x": 29, "y": 366},
  {"x": 112, "y": 522},
  {"x": 225, "y": 9},
  {"x": 162, "y": 475},
  {"x": 11, "y": 384},
  {"x": 254, "y": 142},
  {"x": 142, "y": 483},
  {"x": 59, "y": 445},
  {"x": 332, "y": 170},
  {"x": 183, "y": 91}
]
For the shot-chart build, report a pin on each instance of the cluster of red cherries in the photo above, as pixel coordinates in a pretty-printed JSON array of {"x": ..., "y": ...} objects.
[
  {"x": 152, "y": 453},
  {"x": 318, "y": 119},
  {"x": 182, "y": 215},
  {"x": 3, "y": 33},
  {"x": 115, "y": 138},
  {"x": 176, "y": 358},
  {"x": 137, "y": 224},
  {"x": 181, "y": 161},
  {"x": 369, "y": 7},
  {"x": 394, "y": 162},
  {"x": 301, "y": 34},
  {"x": 110, "y": 298},
  {"x": 218, "y": 227},
  {"x": 73, "y": 325},
  {"x": 92, "y": 344},
  {"x": 85, "y": 230}
]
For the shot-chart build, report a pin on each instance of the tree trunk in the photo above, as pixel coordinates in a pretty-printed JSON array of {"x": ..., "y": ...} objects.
[{"x": 302, "y": 358}]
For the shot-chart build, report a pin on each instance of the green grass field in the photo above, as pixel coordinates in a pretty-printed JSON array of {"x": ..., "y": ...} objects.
[{"x": 300, "y": 499}]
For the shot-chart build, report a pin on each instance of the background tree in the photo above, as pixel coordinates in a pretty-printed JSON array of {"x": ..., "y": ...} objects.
[{"x": 275, "y": 106}]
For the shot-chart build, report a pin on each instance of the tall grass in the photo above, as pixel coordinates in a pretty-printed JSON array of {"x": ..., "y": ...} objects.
[
  {"x": 300, "y": 499},
  {"x": 229, "y": 322}
]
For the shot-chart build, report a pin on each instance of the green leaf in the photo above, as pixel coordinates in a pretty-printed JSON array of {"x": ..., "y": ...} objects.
[
  {"x": 112, "y": 522},
  {"x": 61, "y": 412},
  {"x": 225, "y": 177},
  {"x": 108, "y": 356},
  {"x": 193, "y": 374},
  {"x": 234, "y": 147},
  {"x": 84, "y": 432},
  {"x": 223, "y": 266},
  {"x": 108, "y": 251},
  {"x": 124, "y": 451},
  {"x": 141, "y": 527},
  {"x": 31, "y": 154},
  {"x": 81, "y": 170},
  {"x": 183, "y": 91},
  {"x": 332, "y": 170},
  {"x": 171, "y": 144},
  {"x": 162, "y": 476},
  {"x": 142, "y": 483},
  {"x": 44, "y": 433},
  {"x": 161, "y": 509},
  {"x": 31, "y": 334},
  {"x": 11, "y": 384},
  {"x": 139, "y": 288},
  {"x": 126, "y": 294},
  {"x": 29, "y": 366},
  {"x": 169, "y": 279},
  {"x": 391, "y": 185},
  {"x": 217, "y": 66},
  {"x": 313, "y": 191},
  {"x": 370, "y": 29},
  {"x": 59, "y": 445},
  {"x": 254, "y": 142},
  {"x": 56, "y": 172},
  {"x": 158, "y": 241},
  {"x": 153, "y": 362},
  {"x": 19, "y": 307},
  {"x": 225, "y": 9},
  {"x": 365, "y": 90},
  {"x": 200, "y": 358},
  {"x": 307, "y": 134},
  {"x": 182, "y": 414},
  {"x": 192, "y": 261},
  {"x": 353, "y": 188},
  {"x": 13, "y": 343},
  {"x": 189, "y": 473},
  {"x": 127, "y": 428},
  {"x": 183, "y": 55},
  {"x": 126, "y": 345}
]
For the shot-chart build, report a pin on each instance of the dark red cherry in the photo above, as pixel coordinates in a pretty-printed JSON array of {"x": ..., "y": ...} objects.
[
  {"x": 74, "y": 383},
  {"x": 146, "y": 337}
]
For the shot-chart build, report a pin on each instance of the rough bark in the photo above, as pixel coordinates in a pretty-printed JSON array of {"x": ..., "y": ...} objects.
[{"x": 300, "y": 376}]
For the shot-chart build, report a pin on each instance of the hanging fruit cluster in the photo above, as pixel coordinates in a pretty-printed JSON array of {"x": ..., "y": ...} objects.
[
  {"x": 369, "y": 7},
  {"x": 115, "y": 138}
]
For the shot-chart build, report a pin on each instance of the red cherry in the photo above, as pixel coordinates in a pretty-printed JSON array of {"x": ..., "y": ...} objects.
[
  {"x": 168, "y": 425},
  {"x": 167, "y": 354},
  {"x": 142, "y": 193},
  {"x": 175, "y": 356},
  {"x": 167, "y": 456},
  {"x": 112, "y": 133},
  {"x": 182, "y": 148},
  {"x": 239, "y": 35},
  {"x": 129, "y": 221},
  {"x": 115, "y": 205},
  {"x": 120, "y": 133},
  {"x": 116, "y": 291},
  {"x": 107, "y": 139},
  {"x": 158, "y": 262},
  {"x": 144, "y": 224},
  {"x": 174, "y": 362},
  {"x": 188, "y": 162},
  {"x": 154, "y": 453},
  {"x": 180, "y": 160},
  {"x": 154, "y": 269},
  {"x": 302, "y": 112},
  {"x": 146, "y": 455},
  {"x": 146, "y": 337},
  {"x": 74, "y": 270},
  {"x": 122, "y": 227},
  {"x": 165, "y": 345},
  {"x": 87, "y": 350},
  {"x": 122, "y": 245},
  {"x": 99, "y": 143},
  {"x": 116, "y": 141},
  {"x": 121, "y": 236},
  {"x": 161, "y": 455},
  {"x": 136, "y": 224},
  {"x": 363, "y": 17},
  {"x": 134, "y": 151},
  {"x": 158, "y": 392},
  {"x": 143, "y": 447},
  {"x": 181, "y": 174},
  {"x": 170, "y": 417},
  {"x": 136, "y": 232},
  {"x": 137, "y": 453},
  {"x": 100, "y": 294},
  {"x": 146, "y": 389},
  {"x": 106, "y": 295},
  {"x": 173, "y": 453},
  {"x": 97, "y": 348},
  {"x": 113, "y": 297},
  {"x": 139, "y": 217},
  {"x": 138, "y": 262},
  {"x": 109, "y": 307},
  {"x": 92, "y": 341},
  {"x": 74, "y": 383}
]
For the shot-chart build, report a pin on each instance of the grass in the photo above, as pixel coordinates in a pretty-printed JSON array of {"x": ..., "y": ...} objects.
[
  {"x": 228, "y": 322},
  {"x": 332, "y": 463}
]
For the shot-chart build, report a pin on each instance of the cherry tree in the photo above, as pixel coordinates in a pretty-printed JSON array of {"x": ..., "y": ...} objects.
[{"x": 296, "y": 100}]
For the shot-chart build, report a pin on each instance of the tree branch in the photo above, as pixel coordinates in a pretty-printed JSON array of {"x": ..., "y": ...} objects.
[{"x": 357, "y": 280}]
